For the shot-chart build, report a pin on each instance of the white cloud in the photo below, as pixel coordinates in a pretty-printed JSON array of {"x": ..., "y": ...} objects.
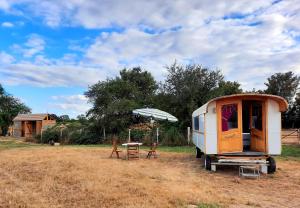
[
  {"x": 4, "y": 5},
  {"x": 51, "y": 75},
  {"x": 72, "y": 105},
  {"x": 247, "y": 40},
  {"x": 34, "y": 45},
  {"x": 7, "y": 24},
  {"x": 6, "y": 58}
]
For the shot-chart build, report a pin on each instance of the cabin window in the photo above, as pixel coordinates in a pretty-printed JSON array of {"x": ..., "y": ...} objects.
[
  {"x": 201, "y": 123},
  {"x": 196, "y": 123},
  {"x": 229, "y": 117},
  {"x": 257, "y": 116}
]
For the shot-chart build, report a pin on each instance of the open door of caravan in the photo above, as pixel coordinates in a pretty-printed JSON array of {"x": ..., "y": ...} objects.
[{"x": 258, "y": 126}]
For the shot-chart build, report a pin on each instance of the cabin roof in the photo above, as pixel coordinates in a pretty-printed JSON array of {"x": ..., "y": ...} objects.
[
  {"x": 30, "y": 117},
  {"x": 283, "y": 105}
]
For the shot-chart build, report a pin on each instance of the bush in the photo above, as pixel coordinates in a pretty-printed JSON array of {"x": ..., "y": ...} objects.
[
  {"x": 84, "y": 136},
  {"x": 49, "y": 135},
  {"x": 172, "y": 137}
]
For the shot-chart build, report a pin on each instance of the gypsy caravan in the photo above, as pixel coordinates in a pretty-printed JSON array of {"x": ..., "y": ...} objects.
[{"x": 239, "y": 129}]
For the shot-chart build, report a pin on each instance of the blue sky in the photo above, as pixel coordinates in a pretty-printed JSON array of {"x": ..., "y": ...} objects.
[{"x": 51, "y": 51}]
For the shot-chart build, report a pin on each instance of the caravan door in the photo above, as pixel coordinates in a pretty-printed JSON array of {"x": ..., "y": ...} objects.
[
  {"x": 258, "y": 129},
  {"x": 229, "y": 114}
]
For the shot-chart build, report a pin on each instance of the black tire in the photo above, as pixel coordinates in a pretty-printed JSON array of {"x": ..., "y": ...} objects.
[
  {"x": 198, "y": 152},
  {"x": 272, "y": 165},
  {"x": 207, "y": 162}
]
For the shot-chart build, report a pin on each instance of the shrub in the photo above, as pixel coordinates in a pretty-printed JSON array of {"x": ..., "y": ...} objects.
[
  {"x": 49, "y": 135},
  {"x": 171, "y": 136}
]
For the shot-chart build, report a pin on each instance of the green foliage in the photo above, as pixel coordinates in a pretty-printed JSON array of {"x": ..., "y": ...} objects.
[
  {"x": 114, "y": 99},
  {"x": 74, "y": 132},
  {"x": 49, "y": 135},
  {"x": 286, "y": 85},
  {"x": 172, "y": 136},
  {"x": 10, "y": 107},
  {"x": 189, "y": 87},
  {"x": 283, "y": 84}
]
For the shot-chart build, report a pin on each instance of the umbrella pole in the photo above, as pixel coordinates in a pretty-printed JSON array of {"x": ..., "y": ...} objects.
[
  {"x": 129, "y": 135},
  {"x": 156, "y": 135}
]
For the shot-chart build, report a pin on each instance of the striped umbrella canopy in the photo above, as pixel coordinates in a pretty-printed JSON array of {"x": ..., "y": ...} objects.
[{"x": 155, "y": 114}]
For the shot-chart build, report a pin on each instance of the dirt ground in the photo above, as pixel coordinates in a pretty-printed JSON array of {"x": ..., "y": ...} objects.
[{"x": 86, "y": 177}]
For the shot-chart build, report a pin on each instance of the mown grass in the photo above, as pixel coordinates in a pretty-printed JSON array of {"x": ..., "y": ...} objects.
[
  {"x": 12, "y": 144},
  {"x": 206, "y": 205},
  {"x": 290, "y": 152}
]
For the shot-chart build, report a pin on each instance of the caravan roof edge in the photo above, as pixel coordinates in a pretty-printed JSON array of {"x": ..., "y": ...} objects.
[{"x": 283, "y": 105}]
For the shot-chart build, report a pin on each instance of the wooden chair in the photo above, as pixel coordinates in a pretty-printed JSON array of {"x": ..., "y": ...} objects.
[
  {"x": 115, "y": 149},
  {"x": 152, "y": 151},
  {"x": 133, "y": 151}
]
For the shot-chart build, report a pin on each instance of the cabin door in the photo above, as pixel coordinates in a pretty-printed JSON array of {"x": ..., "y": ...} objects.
[
  {"x": 229, "y": 126},
  {"x": 258, "y": 129}
]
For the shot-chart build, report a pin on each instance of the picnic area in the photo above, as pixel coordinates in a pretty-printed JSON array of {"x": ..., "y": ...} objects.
[{"x": 34, "y": 175}]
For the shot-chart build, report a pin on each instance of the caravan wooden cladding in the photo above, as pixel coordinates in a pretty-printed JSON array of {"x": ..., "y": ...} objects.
[{"x": 229, "y": 115}]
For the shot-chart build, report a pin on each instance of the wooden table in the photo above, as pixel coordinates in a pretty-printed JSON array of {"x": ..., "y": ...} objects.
[{"x": 132, "y": 149}]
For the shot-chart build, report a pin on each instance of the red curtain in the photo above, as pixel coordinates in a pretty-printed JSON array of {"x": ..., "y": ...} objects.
[{"x": 227, "y": 111}]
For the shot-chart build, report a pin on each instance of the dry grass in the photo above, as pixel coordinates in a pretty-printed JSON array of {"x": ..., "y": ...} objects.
[{"x": 86, "y": 177}]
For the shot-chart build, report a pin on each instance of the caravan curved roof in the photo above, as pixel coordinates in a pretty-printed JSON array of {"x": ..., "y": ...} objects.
[{"x": 283, "y": 105}]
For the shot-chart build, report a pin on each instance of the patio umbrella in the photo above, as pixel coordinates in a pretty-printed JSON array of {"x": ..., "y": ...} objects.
[{"x": 154, "y": 114}]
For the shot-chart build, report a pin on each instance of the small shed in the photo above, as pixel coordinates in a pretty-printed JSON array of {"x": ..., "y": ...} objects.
[
  {"x": 241, "y": 125},
  {"x": 30, "y": 125}
]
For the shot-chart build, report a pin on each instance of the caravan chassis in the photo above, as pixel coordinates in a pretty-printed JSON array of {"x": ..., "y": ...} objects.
[{"x": 265, "y": 162}]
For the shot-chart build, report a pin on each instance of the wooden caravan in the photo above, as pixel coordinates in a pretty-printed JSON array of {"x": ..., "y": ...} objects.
[
  {"x": 237, "y": 127},
  {"x": 30, "y": 125}
]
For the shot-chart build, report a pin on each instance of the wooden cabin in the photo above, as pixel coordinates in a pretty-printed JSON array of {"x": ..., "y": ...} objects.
[
  {"x": 30, "y": 125},
  {"x": 239, "y": 126}
]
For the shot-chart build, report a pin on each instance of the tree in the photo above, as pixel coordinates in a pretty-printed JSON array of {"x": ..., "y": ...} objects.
[
  {"x": 188, "y": 87},
  {"x": 10, "y": 107},
  {"x": 283, "y": 84},
  {"x": 292, "y": 116},
  {"x": 64, "y": 118},
  {"x": 114, "y": 99},
  {"x": 227, "y": 88}
]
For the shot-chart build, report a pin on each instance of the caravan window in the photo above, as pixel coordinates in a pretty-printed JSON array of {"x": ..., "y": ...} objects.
[
  {"x": 257, "y": 116},
  {"x": 229, "y": 117},
  {"x": 201, "y": 122},
  {"x": 196, "y": 123}
]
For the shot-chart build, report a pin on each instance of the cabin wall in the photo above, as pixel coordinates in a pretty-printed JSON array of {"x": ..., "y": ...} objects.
[
  {"x": 273, "y": 128},
  {"x": 38, "y": 127},
  {"x": 48, "y": 123},
  {"x": 17, "y": 129},
  {"x": 198, "y": 140},
  {"x": 211, "y": 136}
]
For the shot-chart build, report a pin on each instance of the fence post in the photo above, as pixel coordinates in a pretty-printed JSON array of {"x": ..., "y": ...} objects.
[
  {"x": 189, "y": 135},
  {"x": 298, "y": 131}
]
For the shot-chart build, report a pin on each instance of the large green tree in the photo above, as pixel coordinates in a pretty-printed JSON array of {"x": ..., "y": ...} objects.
[
  {"x": 283, "y": 84},
  {"x": 114, "y": 99},
  {"x": 10, "y": 107},
  {"x": 188, "y": 87}
]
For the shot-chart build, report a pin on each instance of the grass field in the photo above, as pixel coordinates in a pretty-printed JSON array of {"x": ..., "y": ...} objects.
[{"x": 83, "y": 176}]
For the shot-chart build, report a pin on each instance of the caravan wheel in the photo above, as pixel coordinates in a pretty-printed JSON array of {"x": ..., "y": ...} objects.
[
  {"x": 272, "y": 165},
  {"x": 198, "y": 152},
  {"x": 207, "y": 162}
]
